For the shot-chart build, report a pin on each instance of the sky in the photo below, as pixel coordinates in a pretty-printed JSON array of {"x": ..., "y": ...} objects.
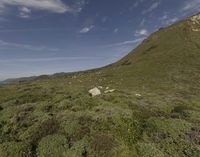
[{"x": 50, "y": 36}]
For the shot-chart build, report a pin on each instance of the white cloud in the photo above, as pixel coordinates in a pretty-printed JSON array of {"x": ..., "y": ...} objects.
[
  {"x": 4, "y": 44},
  {"x": 86, "y": 29},
  {"x": 152, "y": 7},
  {"x": 25, "y": 12},
  {"x": 142, "y": 32},
  {"x": 164, "y": 17},
  {"x": 54, "y": 6}
]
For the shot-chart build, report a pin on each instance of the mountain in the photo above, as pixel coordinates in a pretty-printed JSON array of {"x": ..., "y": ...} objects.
[{"x": 149, "y": 104}]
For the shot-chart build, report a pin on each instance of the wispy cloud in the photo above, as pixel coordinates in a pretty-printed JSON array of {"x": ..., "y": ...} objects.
[
  {"x": 168, "y": 19},
  {"x": 86, "y": 29},
  {"x": 192, "y": 5},
  {"x": 136, "y": 4},
  {"x": 4, "y": 44},
  {"x": 153, "y": 6},
  {"x": 143, "y": 22},
  {"x": 128, "y": 42},
  {"x": 116, "y": 30},
  {"x": 171, "y": 20},
  {"x": 54, "y": 6}
]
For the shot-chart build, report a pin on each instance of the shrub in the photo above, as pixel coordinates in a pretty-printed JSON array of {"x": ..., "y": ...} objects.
[
  {"x": 103, "y": 143},
  {"x": 148, "y": 150},
  {"x": 52, "y": 146},
  {"x": 13, "y": 149},
  {"x": 40, "y": 129},
  {"x": 179, "y": 147},
  {"x": 124, "y": 151},
  {"x": 79, "y": 149},
  {"x": 171, "y": 127}
]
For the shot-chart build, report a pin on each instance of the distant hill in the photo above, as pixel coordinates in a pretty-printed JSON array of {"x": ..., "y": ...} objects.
[
  {"x": 24, "y": 79},
  {"x": 8, "y": 81}
]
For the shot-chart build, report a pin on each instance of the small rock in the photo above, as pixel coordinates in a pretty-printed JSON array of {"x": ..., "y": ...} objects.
[
  {"x": 100, "y": 87},
  {"x": 138, "y": 95},
  {"x": 109, "y": 91},
  {"x": 107, "y": 88},
  {"x": 94, "y": 92}
]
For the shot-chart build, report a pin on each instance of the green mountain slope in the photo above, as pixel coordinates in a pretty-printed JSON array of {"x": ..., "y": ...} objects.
[
  {"x": 169, "y": 58},
  {"x": 153, "y": 111}
]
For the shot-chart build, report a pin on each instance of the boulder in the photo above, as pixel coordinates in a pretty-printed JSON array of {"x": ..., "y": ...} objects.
[{"x": 94, "y": 92}]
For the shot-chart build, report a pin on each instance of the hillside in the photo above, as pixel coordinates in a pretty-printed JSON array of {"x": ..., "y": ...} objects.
[{"x": 153, "y": 112}]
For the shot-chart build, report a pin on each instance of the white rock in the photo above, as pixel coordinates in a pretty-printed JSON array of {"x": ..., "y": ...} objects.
[
  {"x": 109, "y": 91},
  {"x": 100, "y": 87},
  {"x": 94, "y": 92},
  {"x": 138, "y": 95},
  {"x": 107, "y": 88}
]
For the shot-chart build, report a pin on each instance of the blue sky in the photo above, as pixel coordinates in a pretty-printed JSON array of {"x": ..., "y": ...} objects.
[{"x": 49, "y": 36}]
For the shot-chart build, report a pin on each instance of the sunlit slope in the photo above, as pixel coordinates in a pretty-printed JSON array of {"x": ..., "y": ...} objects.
[{"x": 169, "y": 58}]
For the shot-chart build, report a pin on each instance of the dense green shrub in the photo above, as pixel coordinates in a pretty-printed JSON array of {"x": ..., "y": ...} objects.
[
  {"x": 148, "y": 150},
  {"x": 52, "y": 146},
  {"x": 14, "y": 149},
  {"x": 103, "y": 143},
  {"x": 179, "y": 148},
  {"x": 33, "y": 134},
  {"x": 171, "y": 127}
]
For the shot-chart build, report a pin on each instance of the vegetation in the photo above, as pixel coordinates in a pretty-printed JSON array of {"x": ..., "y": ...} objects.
[{"x": 154, "y": 111}]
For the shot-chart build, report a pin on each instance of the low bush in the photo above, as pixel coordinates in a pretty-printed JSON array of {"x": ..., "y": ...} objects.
[
  {"x": 148, "y": 150},
  {"x": 171, "y": 127},
  {"x": 14, "y": 149},
  {"x": 52, "y": 146}
]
